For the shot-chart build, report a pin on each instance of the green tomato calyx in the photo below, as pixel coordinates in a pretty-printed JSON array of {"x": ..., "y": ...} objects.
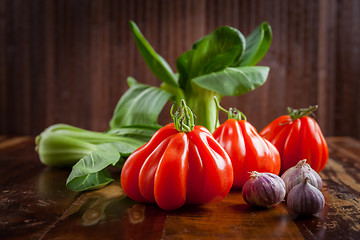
[
  {"x": 184, "y": 118},
  {"x": 302, "y": 112},
  {"x": 232, "y": 113}
]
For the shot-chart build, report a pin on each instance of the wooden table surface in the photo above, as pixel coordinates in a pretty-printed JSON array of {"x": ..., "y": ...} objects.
[{"x": 35, "y": 204}]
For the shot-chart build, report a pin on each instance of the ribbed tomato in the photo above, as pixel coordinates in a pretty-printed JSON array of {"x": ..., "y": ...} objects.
[
  {"x": 298, "y": 136},
  {"x": 247, "y": 150},
  {"x": 178, "y": 165}
]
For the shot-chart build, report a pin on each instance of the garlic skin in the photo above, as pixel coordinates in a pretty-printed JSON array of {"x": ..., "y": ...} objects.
[
  {"x": 264, "y": 189},
  {"x": 296, "y": 174},
  {"x": 305, "y": 199}
]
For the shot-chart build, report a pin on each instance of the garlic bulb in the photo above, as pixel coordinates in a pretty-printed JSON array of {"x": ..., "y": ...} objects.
[
  {"x": 305, "y": 199},
  {"x": 263, "y": 189},
  {"x": 296, "y": 174}
]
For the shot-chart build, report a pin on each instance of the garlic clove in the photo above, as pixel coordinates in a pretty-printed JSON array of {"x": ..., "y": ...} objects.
[
  {"x": 264, "y": 189},
  {"x": 296, "y": 174},
  {"x": 305, "y": 199}
]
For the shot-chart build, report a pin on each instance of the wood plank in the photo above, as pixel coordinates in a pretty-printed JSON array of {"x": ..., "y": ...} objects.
[
  {"x": 346, "y": 148},
  {"x": 2, "y": 138},
  {"x": 340, "y": 217},
  {"x": 231, "y": 218},
  {"x": 341, "y": 189},
  {"x": 347, "y": 37},
  {"x": 322, "y": 95},
  {"x": 32, "y": 196},
  {"x": 3, "y": 71},
  {"x": 10, "y": 143},
  {"x": 96, "y": 211},
  {"x": 53, "y": 54}
]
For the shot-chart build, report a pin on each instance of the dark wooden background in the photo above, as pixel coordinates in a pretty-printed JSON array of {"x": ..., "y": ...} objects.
[{"x": 67, "y": 61}]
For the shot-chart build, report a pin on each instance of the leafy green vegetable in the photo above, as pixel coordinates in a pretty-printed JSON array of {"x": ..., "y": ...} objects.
[
  {"x": 90, "y": 153},
  {"x": 90, "y": 171},
  {"x": 211, "y": 68},
  {"x": 62, "y": 145},
  {"x": 219, "y": 64}
]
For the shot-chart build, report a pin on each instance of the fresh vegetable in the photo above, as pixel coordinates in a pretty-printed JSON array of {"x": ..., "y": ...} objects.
[
  {"x": 296, "y": 174},
  {"x": 247, "y": 150},
  {"x": 182, "y": 163},
  {"x": 305, "y": 199},
  {"x": 264, "y": 189},
  {"x": 62, "y": 145},
  {"x": 298, "y": 136},
  {"x": 219, "y": 64}
]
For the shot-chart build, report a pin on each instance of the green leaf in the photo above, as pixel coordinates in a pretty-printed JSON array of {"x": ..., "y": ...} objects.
[
  {"x": 156, "y": 63},
  {"x": 257, "y": 45},
  {"x": 140, "y": 104},
  {"x": 123, "y": 148},
  {"x": 212, "y": 53},
  {"x": 234, "y": 81},
  {"x": 90, "y": 171},
  {"x": 90, "y": 181}
]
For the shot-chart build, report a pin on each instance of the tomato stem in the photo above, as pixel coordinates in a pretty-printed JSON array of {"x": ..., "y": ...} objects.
[
  {"x": 254, "y": 174},
  {"x": 232, "y": 113},
  {"x": 184, "y": 119},
  {"x": 302, "y": 112}
]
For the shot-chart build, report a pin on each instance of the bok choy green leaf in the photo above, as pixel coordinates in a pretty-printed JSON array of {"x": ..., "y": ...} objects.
[
  {"x": 233, "y": 81},
  {"x": 141, "y": 104},
  {"x": 156, "y": 63},
  {"x": 258, "y": 43}
]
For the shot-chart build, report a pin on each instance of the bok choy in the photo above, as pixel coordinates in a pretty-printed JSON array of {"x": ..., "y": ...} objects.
[{"x": 219, "y": 64}]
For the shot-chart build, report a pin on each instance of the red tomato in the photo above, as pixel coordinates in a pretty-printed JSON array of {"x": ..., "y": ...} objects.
[
  {"x": 247, "y": 150},
  {"x": 298, "y": 137},
  {"x": 175, "y": 168}
]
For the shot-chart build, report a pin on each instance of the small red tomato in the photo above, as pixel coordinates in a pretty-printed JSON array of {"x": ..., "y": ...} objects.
[
  {"x": 181, "y": 163},
  {"x": 298, "y": 136},
  {"x": 247, "y": 150}
]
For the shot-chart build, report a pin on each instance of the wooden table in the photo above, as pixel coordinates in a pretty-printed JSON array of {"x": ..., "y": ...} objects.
[{"x": 35, "y": 204}]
